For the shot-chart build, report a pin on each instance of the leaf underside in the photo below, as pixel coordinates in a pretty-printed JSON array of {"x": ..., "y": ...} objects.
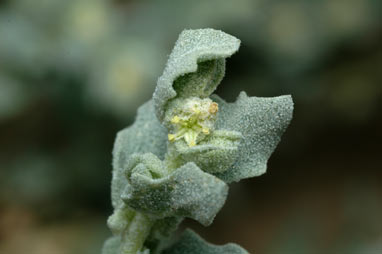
[{"x": 204, "y": 47}]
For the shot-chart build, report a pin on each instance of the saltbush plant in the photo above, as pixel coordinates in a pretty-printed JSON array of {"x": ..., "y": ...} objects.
[{"x": 185, "y": 147}]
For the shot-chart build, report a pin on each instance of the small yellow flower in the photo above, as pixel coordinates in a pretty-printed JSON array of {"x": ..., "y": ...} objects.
[
  {"x": 195, "y": 117},
  {"x": 175, "y": 119}
]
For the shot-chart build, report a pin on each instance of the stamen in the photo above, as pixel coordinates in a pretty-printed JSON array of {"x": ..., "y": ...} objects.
[
  {"x": 175, "y": 119},
  {"x": 171, "y": 137},
  {"x": 206, "y": 131},
  {"x": 195, "y": 117},
  {"x": 214, "y": 107}
]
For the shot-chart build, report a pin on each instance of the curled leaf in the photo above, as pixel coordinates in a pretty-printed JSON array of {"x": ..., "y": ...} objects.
[
  {"x": 215, "y": 154},
  {"x": 186, "y": 192},
  {"x": 195, "y": 67},
  {"x": 120, "y": 219},
  {"x": 261, "y": 121},
  {"x": 146, "y": 135}
]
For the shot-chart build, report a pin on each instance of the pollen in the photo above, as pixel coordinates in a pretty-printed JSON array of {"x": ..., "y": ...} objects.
[{"x": 214, "y": 107}]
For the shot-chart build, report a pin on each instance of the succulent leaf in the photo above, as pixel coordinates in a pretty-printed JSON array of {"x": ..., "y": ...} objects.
[
  {"x": 261, "y": 121},
  {"x": 195, "y": 67},
  {"x": 187, "y": 192},
  {"x": 160, "y": 232},
  {"x": 120, "y": 219},
  {"x": 215, "y": 154},
  {"x": 111, "y": 245},
  {"x": 146, "y": 135}
]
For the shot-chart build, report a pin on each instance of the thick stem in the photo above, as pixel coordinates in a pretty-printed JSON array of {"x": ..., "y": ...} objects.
[{"x": 136, "y": 234}]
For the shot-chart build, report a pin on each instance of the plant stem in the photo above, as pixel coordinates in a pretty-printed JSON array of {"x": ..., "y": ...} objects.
[
  {"x": 139, "y": 227},
  {"x": 136, "y": 234}
]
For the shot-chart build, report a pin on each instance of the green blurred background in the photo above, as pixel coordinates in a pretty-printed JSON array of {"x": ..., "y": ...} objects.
[{"x": 73, "y": 72}]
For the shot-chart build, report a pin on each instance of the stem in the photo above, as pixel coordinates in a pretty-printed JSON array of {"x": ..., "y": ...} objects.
[
  {"x": 172, "y": 159},
  {"x": 140, "y": 224},
  {"x": 136, "y": 234}
]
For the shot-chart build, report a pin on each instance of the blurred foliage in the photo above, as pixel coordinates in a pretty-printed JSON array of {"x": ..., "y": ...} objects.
[{"x": 72, "y": 74}]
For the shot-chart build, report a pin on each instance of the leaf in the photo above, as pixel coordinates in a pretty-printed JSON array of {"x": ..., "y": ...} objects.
[
  {"x": 195, "y": 67},
  {"x": 120, "y": 219},
  {"x": 191, "y": 243},
  {"x": 121, "y": 225},
  {"x": 111, "y": 245},
  {"x": 261, "y": 121},
  {"x": 215, "y": 154},
  {"x": 186, "y": 192},
  {"x": 146, "y": 135},
  {"x": 161, "y": 232}
]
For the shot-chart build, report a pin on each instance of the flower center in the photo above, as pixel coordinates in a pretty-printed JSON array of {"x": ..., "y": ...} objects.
[{"x": 194, "y": 120}]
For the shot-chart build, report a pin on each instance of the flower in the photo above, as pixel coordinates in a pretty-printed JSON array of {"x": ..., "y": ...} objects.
[{"x": 196, "y": 116}]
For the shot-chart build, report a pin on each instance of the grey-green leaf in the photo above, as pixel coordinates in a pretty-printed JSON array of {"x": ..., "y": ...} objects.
[
  {"x": 146, "y": 135},
  {"x": 161, "y": 232},
  {"x": 261, "y": 121},
  {"x": 195, "y": 67},
  {"x": 215, "y": 154},
  {"x": 191, "y": 243},
  {"x": 111, "y": 245},
  {"x": 186, "y": 192}
]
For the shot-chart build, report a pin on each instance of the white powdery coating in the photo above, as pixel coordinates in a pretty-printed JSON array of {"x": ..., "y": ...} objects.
[
  {"x": 261, "y": 121},
  {"x": 215, "y": 154},
  {"x": 112, "y": 245},
  {"x": 194, "y": 104},
  {"x": 146, "y": 135},
  {"x": 186, "y": 192},
  {"x": 192, "y": 47},
  {"x": 247, "y": 132}
]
